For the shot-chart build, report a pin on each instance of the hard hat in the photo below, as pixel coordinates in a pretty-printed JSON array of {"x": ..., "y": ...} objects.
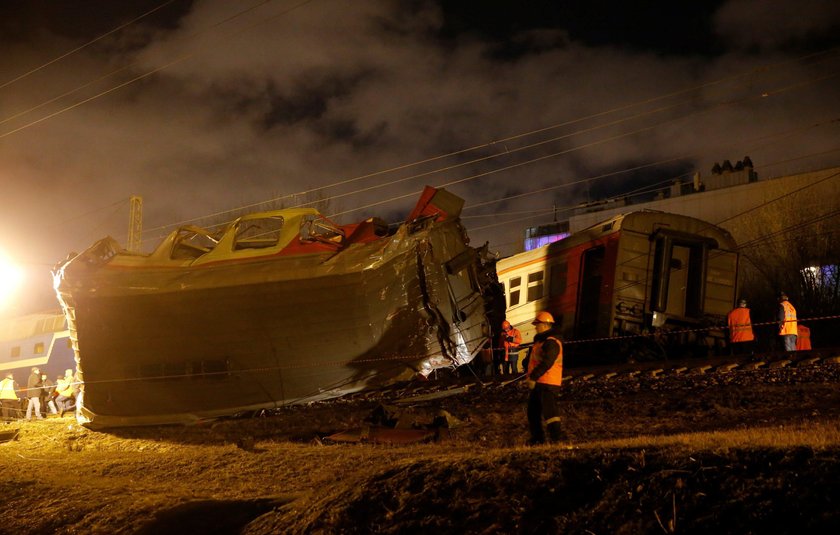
[
  {"x": 543, "y": 317},
  {"x": 506, "y": 324}
]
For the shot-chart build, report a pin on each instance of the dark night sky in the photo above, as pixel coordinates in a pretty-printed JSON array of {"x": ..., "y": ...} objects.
[{"x": 226, "y": 104}]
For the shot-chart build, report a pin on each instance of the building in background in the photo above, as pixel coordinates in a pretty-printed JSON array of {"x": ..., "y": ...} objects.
[{"x": 785, "y": 227}]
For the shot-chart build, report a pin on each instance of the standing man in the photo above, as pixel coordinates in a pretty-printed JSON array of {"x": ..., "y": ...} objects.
[
  {"x": 741, "y": 335},
  {"x": 509, "y": 341},
  {"x": 47, "y": 394},
  {"x": 33, "y": 392},
  {"x": 544, "y": 376},
  {"x": 786, "y": 316},
  {"x": 64, "y": 387},
  {"x": 9, "y": 398}
]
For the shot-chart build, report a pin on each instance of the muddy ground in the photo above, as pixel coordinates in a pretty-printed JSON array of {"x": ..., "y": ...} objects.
[{"x": 737, "y": 452}]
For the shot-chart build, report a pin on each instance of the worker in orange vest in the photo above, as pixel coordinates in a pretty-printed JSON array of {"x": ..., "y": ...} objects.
[
  {"x": 786, "y": 317},
  {"x": 544, "y": 376},
  {"x": 803, "y": 338},
  {"x": 509, "y": 340},
  {"x": 741, "y": 337}
]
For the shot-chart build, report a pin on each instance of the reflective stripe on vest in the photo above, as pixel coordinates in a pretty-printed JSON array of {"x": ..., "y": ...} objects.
[
  {"x": 789, "y": 326},
  {"x": 554, "y": 375}
]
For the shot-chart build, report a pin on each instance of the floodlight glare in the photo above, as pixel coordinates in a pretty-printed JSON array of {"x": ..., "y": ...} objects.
[{"x": 11, "y": 277}]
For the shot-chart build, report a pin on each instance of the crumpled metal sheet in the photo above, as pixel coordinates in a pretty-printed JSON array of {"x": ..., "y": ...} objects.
[
  {"x": 164, "y": 342},
  {"x": 382, "y": 435}
]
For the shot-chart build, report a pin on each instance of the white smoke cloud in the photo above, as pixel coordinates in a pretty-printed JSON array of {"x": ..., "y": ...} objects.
[{"x": 274, "y": 102}]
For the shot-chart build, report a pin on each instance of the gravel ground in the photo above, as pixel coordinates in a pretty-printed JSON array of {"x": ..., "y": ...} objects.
[{"x": 278, "y": 474}]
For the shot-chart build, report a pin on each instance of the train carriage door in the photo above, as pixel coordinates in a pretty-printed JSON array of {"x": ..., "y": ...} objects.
[
  {"x": 589, "y": 292},
  {"x": 679, "y": 274},
  {"x": 678, "y": 281}
]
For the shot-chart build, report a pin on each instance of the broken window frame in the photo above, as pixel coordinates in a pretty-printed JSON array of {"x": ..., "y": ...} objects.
[
  {"x": 192, "y": 242},
  {"x": 317, "y": 228},
  {"x": 258, "y": 232}
]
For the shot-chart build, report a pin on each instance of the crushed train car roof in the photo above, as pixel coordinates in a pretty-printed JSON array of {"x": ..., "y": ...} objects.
[{"x": 279, "y": 307}]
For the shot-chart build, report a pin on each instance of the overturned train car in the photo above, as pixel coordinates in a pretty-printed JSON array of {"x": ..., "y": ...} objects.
[
  {"x": 278, "y": 307},
  {"x": 667, "y": 276}
]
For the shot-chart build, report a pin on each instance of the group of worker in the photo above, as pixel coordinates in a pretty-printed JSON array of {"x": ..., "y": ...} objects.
[
  {"x": 793, "y": 335},
  {"x": 39, "y": 396},
  {"x": 544, "y": 366}
]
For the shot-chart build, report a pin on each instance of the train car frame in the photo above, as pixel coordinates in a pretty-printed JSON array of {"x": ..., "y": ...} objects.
[
  {"x": 41, "y": 340},
  {"x": 660, "y": 284}
]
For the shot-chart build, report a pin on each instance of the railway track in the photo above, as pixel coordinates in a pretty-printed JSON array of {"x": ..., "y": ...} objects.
[
  {"x": 721, "y": 364},
  {"x": 445, "y": 385}
]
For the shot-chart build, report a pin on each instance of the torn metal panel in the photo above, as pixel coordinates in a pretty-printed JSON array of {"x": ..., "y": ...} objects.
[
  {"x": 434, "y": 395},
  {"x": 387, "y": 426},
  {"x": 278, "y": 307},
  {"x": 9, "y": 435},
  {"x": 383, "y": 435}
]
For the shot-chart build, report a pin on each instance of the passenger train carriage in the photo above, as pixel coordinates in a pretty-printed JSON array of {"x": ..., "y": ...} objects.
[
  {"x": 41, "y": 340},
  {"x": 640, "y": 272}
]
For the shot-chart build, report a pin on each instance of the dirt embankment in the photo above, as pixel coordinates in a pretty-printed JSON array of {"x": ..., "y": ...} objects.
[{"x": 741, "y": 452}]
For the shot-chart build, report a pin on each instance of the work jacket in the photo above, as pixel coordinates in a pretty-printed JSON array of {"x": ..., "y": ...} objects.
[
  {"x": 787, "y": 319},
  {"x": 33, "y": 387},
  {"x": 546, "y": 363},
  {"x": 740, "y": 326},
  {"x": 803, "y": 338},
  {"x": 64, "y": 387},
  {"x": 7, "y": 389},
  {"x": 510, "y": 345},
  {"x": 47, "y": 388}
]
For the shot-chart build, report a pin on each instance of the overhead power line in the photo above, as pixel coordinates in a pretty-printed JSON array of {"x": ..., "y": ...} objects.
[
  {"x": 822, "y": 56},
  {"x": 82, "y": 47},
  {"x": 160, "y": 68}
]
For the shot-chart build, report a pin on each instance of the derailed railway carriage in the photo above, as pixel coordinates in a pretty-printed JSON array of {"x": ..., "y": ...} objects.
[
  {"x": 278, "y": 307},
  {"x": 637, "y": 273}
]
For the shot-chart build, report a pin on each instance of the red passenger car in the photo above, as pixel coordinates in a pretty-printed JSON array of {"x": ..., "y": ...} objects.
[{"x": 669, "y": 277}]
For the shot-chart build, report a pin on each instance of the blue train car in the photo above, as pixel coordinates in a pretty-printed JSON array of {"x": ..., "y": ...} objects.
[{"x": 41, "y": 340}]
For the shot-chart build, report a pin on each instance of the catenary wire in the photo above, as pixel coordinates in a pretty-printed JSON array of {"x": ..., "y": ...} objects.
[
  {"x": 490, "y": 144},
  {"x": 82, "y": 47}
]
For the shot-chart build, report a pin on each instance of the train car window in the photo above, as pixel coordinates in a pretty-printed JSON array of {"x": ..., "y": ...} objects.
[
  {"x": 535, "y": 286},
  {"x": 258, "y": 233},
  {"x": 39, "y": 348},
  {"x": 557, "y": 279},
  {"x": 15, "y": 352},
  {"x": 513, "y": 297}
]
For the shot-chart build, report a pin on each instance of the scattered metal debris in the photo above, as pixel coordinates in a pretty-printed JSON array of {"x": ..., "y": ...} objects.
[{"x": 386, "y": 426}]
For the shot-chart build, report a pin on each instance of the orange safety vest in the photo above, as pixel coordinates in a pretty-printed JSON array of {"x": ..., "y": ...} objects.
[
  {"x": 789, "y": 326},
  {"x": 517, "y": 339},
  {"x": 803, "y": 338},
  {"x": 740, "y": 326},
  {"x": 554, "y": 375}
]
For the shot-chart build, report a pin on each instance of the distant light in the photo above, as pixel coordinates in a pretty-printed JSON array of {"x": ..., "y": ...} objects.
[
  {"x": 11, "y": 277},
  {"x": 539, "y": 241}
]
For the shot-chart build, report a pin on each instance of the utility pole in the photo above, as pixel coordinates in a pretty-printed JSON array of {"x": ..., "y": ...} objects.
[{"x": 135, "y": 224}]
